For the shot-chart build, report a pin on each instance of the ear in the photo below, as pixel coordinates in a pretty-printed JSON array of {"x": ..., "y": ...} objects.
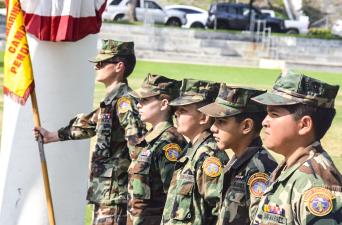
[
  {"x": 246, "y": 126},
  {"x": 305, "y": 125},
  {"x": 164, "y": 104},
  {"x": 204, "y": 119},
  {"x": 120, "y": 67}
]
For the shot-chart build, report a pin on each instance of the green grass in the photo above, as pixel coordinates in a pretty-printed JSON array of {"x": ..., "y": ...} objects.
[
  {"x": 259, "y": 78},
  {"x": 88, "y": 214}
]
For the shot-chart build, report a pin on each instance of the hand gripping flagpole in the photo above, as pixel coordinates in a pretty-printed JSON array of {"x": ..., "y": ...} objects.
[{"x": 36, "y": 120}]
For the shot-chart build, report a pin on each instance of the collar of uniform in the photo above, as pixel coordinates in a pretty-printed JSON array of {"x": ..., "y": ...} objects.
[
  {"x": 255, "y": 146},
  {"x": 157, "y": 131},
  {"x": 193, "y": 147},
  {"x": 119, "y": 90},
  {"x": 203, "y": 136},
  {"x": 296, "y": 160}
]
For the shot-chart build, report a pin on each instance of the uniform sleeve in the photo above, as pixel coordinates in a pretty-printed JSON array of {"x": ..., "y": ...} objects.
[
  {"x": 81, "y": 127},
  {"x": 319, "y": 206},
  {"x": 252, "y": 192},
  {"x": 209, "y": 186},
  {"x": 129, "y": 119},
  {"x": 165, "y": 162}
]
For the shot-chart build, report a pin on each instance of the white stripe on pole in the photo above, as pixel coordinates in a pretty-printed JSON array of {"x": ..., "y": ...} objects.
[{"x": 64, "y": 86}]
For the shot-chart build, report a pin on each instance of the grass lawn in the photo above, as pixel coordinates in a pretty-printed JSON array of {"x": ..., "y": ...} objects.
[{"x": 258, "y": 78}]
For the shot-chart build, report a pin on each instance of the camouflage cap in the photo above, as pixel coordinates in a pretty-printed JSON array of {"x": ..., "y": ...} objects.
[
  {"x": 293, "y": 88},
  {"x": 232, "y": 101},
  {"x": 154, "y": 85},
  {"x": 111, "y": 48},
  {"x": 194, "y": 91}
]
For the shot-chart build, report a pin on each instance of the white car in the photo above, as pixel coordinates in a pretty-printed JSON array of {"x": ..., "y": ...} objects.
[
  {"x": 196, "y": 17},
  {"x": 299, "y": 26},
  {"x": 146, "y": 10},
  {"x": 337, "y": 28}
]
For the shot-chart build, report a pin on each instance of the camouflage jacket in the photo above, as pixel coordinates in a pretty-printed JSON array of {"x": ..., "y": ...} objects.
[
  {"x": 244, "y": 181},
  {"x": 307, "y": 192},
  {"x": 115, "y": 123},
  {"x": 150, "y": 173},
  {"x": 194, "y": 193}
]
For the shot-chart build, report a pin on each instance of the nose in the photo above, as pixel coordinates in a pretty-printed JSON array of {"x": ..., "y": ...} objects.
[
  {"x": 139, "y": 105},
  {"x": 213, "y": 128},
  {"x": 265, "y": 122}
]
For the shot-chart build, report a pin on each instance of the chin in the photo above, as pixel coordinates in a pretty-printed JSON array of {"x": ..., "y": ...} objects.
[
  {"x": 223, "y": 146},
  {"x": 179, "y": 129},
  {"x": 99, "y": 80},
  {"x": 269, "y": 146},
  {"x": 141, "y": 117}
]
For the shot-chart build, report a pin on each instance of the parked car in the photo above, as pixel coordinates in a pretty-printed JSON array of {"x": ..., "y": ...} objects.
[
  {"x": 336, "y": 28},
  {"x": 268, "y": 12},
  {"x": 237, "y": 17},
  {"x": 117, "y": 10},
  {"x": 196, "y": 17},
  {"x": 2, "y": 25},
  {"x": 300, "y": 26}
]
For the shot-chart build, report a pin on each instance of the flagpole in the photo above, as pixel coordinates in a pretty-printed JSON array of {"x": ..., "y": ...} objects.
[{"x": 36, "y": 120}]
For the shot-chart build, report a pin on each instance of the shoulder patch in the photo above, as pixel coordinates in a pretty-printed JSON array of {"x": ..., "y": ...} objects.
[
  {"x": 172, "y": 151},
  {"x": 318, "y": 201},
  {"x": 257, "y": 184},
  {"x": 212, "y": 166},
  {"x": 123, "y": 105}
]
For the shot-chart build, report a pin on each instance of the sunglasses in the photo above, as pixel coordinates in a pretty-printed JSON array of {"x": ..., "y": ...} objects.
[{"x": 105, "y": 62}]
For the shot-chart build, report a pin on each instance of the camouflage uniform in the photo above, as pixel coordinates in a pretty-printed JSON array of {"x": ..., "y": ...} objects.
[
  {"x": 194, "y": 192},
  {"x": 116, "y": 123},
  {"x": 244, "y": 178},
  {"x": 152, "y": 167},
  {"x": 309, "y": 190}
]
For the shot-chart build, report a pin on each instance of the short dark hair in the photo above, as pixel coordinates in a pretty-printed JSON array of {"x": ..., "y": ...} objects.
[
  {"x": 169, "y": 98},
  {"x": 129, "y": 61},
  {"x": 257, "y": 118},
  {"x": 321, "y": 117}
]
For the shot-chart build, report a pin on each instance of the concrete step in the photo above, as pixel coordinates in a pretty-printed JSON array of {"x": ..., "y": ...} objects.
[
  {"x": 196, "y": 59},
  {"x": 215, "y": 47}
]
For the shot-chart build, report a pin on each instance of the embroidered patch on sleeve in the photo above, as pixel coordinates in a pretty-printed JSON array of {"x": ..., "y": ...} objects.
[
  {"x": 212, "y": 166},
  {"x": 257, "y": 184},
  {"x": 144, "y": 156},
  {"x": 124, "y": 104},
  {"x": 172, "y": 151},
  {"x": 318, "y": 201}
]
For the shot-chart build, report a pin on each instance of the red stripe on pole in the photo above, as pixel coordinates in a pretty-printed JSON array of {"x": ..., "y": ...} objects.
[{"x": 63, "y": 28}]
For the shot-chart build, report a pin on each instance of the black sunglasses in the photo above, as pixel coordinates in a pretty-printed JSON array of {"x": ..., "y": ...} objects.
[{"x": 105, "y": 62}]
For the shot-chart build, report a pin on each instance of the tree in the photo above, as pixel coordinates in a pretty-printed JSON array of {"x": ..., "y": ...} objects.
[{"x": 132, "y": 5}]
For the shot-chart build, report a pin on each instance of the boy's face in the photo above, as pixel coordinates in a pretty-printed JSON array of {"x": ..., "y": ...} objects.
[
  {"x": 188, "y": 120},
  {"x": 106, "y": 70},
  {"x": 280, "y": 129},
  {"x": 226, "y": 132}
]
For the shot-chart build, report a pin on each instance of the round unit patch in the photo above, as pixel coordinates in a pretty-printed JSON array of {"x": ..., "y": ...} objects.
[
  {"x": 123, "y": 105},
  {"x": 172, "y": 151},
  {"x": 257, "y": 184},
  {"x": 212, "y": 166},
  {"x": 319, "y": 201}
]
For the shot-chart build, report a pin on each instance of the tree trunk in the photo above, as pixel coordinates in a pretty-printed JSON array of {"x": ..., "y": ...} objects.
[{"x": 131, "y": 10}]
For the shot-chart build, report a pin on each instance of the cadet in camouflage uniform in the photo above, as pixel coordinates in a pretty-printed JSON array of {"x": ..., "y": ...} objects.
[
  {"x": 194, "y": 192},
  {"x": 306, "y": 188},
  {"x": 237, "y": 126},
  {"x": 116, "y": 123},
  {"x": 152, "y": 167}
]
